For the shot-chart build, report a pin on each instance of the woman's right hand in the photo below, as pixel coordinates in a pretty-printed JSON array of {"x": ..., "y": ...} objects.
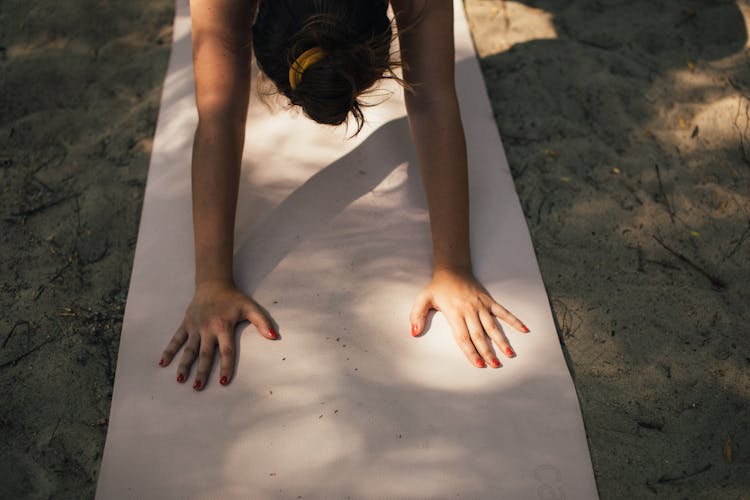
[{"x": 217, "y": 307}]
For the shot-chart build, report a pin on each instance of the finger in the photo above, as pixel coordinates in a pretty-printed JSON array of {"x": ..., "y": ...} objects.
[
  {"x": 502, "y": 313},
  {"x": 205, "y": 359},
  {"x": 255, "y": 316},
  {"x": 497, "y": 336},
  {"x": 462, "y": 338},
  {"x": 188, "y": 356},
  {"x": 418, "y": 314},
  {"x": 478, "y": 337},
  {"x": 173, "y": 346},
  {"x": 226, "y": 357}
]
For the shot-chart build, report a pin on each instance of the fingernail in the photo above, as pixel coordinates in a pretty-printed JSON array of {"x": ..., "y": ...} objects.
[
  {"x": 161, "y": 362},
  {"x": 480, "y": 363},
  {"x": 414, "y": 331},
  {"x": 273, "y": 333},
  {"x": 524, "y": 329},
  {"x": 509, "y": 352},
  {"x": 197, "y": 385},
  {"x": 223, "y": 380},
  {"x": 495, "y": 363},
  {"x": 180, "y": 377}
]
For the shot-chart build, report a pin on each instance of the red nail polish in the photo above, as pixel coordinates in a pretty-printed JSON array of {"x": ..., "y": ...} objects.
[
  {"x": 414, "y": 331},
  {"x": 161, "y": 362},
  {"x": 480, "y": 363},
  {"x": 180, "y": 377},
  {"x": 223, "y": 380},
  {"x": 273, "y": 333},
  {"x": 524, "y": 329},
  {"x": 197, "y": 385},
  {"x": 495, "y": 362},
  {"x": 509, "y": 352}
]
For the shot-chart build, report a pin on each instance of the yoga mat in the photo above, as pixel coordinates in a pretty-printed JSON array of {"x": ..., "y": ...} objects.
[{"x": 332, "y": 237}]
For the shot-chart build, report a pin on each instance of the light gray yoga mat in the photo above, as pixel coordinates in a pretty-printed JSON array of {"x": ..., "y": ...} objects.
[{"x": 333, "y": 238}]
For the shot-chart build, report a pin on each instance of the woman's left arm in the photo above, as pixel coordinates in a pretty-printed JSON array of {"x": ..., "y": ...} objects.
[{"x": 427, "y": 51}]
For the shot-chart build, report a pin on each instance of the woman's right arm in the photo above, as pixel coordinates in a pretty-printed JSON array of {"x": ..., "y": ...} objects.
[{"x": 222, "y": 47}]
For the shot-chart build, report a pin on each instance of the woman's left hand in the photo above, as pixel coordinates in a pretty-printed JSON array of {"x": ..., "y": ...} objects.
[{"x": 471, "y": 313}]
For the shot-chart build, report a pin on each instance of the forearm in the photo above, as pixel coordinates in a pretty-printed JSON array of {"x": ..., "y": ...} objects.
[
  {"x": 441, "y": 150},
  {"x": 217, "y": 152}
]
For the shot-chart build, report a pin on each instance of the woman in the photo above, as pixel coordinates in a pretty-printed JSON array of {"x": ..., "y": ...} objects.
[{"x": 323, "y": 54}]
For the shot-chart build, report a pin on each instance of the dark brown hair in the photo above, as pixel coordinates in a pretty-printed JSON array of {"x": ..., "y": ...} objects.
[{"x": 355, "y": 36}]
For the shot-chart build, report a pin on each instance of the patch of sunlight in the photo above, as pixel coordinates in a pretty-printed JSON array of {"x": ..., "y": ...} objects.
[
  {"x": 434, "y": 361},
  {"x": 701, "y": 125},
  {"x": 43, "y": 46},
  {"x": 497, "y": 26},
  {"x": 745, "y": 10}
]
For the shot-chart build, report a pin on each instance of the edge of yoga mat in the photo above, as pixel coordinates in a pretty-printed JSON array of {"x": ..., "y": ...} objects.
[{"x": 335, "y": 243}]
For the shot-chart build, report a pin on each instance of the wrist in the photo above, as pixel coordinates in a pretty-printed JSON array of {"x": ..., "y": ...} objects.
[
  {"x": 214, "y": 283},
  {"x": 213, "y": 263},
  {"x": 213, "y": 277},
  {"x": 453, "y": 269},
  {"x": 451, "y": 253},
  {"x": 213, "y": 274}
]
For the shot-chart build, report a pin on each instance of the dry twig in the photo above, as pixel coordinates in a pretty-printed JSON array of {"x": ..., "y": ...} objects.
[
  {"x": 59, "y": 273},
  {"x": 42, "y": 207},
  {"x": 739, "y": 243},
  {"x": 667, "y": 480},
  {"x": 663, "y": 193},
  {"x": 13, "y": 330},
  {"x": 13, "y": 362},
  {"x": 717, "y": 282}
]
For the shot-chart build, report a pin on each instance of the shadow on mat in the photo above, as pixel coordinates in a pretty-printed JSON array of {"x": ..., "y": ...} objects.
[{"x": 321, "y": 198}]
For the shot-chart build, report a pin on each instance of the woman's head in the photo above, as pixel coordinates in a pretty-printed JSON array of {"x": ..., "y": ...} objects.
[{"x": 352, "y": 40}]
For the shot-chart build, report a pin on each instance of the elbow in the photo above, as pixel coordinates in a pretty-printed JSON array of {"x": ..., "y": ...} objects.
[
  {"x": 436, "y": 101},
  {"x": 220, "y": 111},
  {"x": 432, "y": 110}
]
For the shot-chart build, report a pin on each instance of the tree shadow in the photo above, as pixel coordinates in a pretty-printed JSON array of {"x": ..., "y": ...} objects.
[{"x": 321, "y": 198}]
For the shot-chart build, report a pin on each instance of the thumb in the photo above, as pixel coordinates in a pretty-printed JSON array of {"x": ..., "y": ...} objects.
[
  {"x": 419, "y": 312},
  {"x": 255, "y": 315}
]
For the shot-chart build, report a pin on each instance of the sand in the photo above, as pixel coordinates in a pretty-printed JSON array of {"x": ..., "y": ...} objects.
[{"x": 627, "y": 127}]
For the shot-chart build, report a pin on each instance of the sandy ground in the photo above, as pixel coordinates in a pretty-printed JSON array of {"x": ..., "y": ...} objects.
[{"x": 627, "y": 127}]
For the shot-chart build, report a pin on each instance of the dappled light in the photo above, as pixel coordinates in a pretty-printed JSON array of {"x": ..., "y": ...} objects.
[{"x": 506, "y": 24}]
